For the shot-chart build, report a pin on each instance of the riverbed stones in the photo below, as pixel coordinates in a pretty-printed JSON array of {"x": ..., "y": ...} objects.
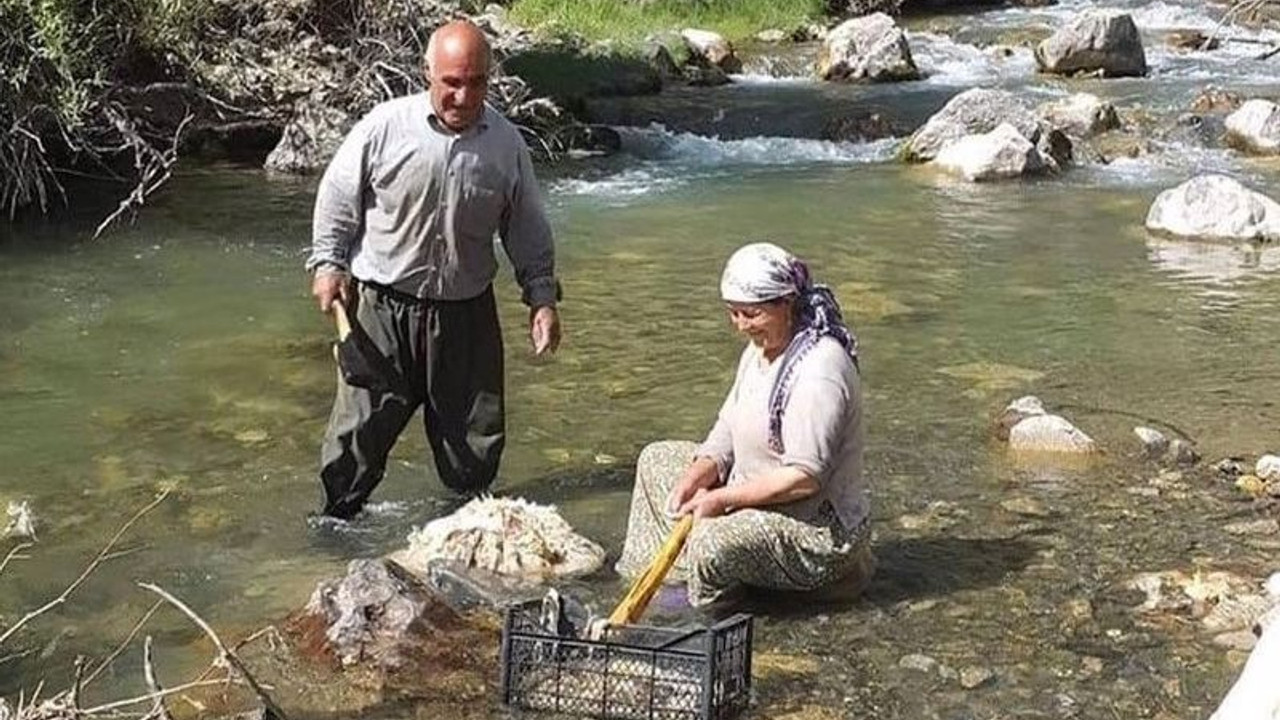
[
  {"x": 1191, "y": 39},
  {"x": 1217, "y": 207},
  {"x": 973, "y": 677},
  {"x": 1029, "y": 428},
  {"x": 711, "y": 49},
  {"x": 972, "y": 112},
  {"x": 1000, "y": 154},
  {"x": 1080, "y": 115},
  {"x": 1095, "y": 41},
  {"x": 1255, "y": 128},
  {"x": 1268, "y": 468},
  {"x": 1213, "y": 99},
  {"x": 1154, "y": 443},
  {"x": 21, "y": 523},
  {"x": 507, "y": 536},
  {"x": 867, "y": 49}
]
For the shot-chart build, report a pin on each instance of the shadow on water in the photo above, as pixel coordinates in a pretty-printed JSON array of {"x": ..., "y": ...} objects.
[{"x": 918, "y": 568}]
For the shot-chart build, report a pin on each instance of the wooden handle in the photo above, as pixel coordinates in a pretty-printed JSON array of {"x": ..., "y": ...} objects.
[
  {"x": 340, "y": 317},
  {"x": 642, "y": 590}
]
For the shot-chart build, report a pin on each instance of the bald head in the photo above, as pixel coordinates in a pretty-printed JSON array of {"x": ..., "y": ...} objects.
[
  {"x": 457, "y": 73},
  {"x": 457, "y": 41}
]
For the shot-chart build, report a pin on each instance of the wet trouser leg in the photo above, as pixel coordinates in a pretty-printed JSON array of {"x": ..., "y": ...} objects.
[
  {"x": 451, "y": 354},
  {"x": 364, "y": 424},
  {"x": 464, "y": 414}
]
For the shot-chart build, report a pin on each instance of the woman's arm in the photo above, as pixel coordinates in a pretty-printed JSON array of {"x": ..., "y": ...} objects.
[{"x": 780, "y": 485}]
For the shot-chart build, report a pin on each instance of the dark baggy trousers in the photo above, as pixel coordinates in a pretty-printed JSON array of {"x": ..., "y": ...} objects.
[{"x": 449, "y": 354}]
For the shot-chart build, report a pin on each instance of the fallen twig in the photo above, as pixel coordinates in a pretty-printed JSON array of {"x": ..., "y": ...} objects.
[
  {"x": 149, "y": 697},
  {"x": 128, "y": 639},
  {"x": 226, "y": 654},
  {"x": 14, "y": 555},
  {"x": 97, "y": 560},
  {"x": 159, "y": 710}
]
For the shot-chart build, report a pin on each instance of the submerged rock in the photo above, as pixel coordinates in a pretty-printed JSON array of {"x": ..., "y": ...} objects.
[
  {"x": 1028, "y": 427},
  {"x": 1255, "y": 127},
  {"x": 1154, "y": 443},
  {"x": 1104, "y": 41},
  {"x": 870, "y": 49},
  {"x": 1215, "y": 207},
  {"x": 1268, "y": 468},
  {"x": 508, "y": 536}
]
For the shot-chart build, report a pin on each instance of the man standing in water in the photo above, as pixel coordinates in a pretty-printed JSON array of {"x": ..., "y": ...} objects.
[{"x": 403, "y": 236}]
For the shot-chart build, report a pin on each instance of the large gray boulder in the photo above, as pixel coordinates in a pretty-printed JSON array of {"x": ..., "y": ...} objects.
[
  {"x": 1000, "y": 154},
  {"x": 711, "y": 49},
  {"x": 1080, "y": 115},
  {"x": 310, "y": 139},
  {"x": 1215, "y": 207},
  {"x": 972, "y": 112},
  {"x": 867, "y": 49},
  {"x": 1255, "y": 127},
  {"x": 1105, "y": 41},
  {"x": 1029, "y": 428}
]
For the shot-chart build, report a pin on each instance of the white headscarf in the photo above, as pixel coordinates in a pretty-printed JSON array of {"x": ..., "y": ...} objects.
[{"x": 762, "y": 271}]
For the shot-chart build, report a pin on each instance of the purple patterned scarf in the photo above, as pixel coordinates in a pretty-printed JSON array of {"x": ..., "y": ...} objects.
[{"x": 760, "y": 272}]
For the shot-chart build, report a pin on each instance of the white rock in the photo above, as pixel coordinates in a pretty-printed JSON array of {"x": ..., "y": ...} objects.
[
  {"x": 1049, "y": 433},
  {"x": 1153, "y": 440},
  {"x": 871, "y": 48},
  {"x": 713, "y": 48},
  {"x": 1255, "y": 127},
  {"x": 1081, "y": 115},
  {"x": 1000, "y": 154},
  {"x": 508, "y": 536},
  {"x": 1215, "y": 207},
  {"x": 1027, "y": 405},
  {"x": 1095, "y": 40},
  {"x": 22, "y": 522},
  {"x": 1268, "y": 467},
  {"x": 972, "y": 112}
]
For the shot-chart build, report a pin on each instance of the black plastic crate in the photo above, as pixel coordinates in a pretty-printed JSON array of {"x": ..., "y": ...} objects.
[{"x": 633, "y": 673}]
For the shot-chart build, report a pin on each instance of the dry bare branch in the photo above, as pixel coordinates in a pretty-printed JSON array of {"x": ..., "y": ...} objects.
[
  {"x": 159, "y": 710},
  {"x": 97, "y": 560},
  {"x": 97, "y": 671},
  {"x": 225, "y": 653},
  {"x": 14, "y": 554}
]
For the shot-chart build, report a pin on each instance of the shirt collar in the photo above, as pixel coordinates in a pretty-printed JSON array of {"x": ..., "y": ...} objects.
[{"x": 433, "y": 119}]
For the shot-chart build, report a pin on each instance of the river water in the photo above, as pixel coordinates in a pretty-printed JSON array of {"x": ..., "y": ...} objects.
[{"x": 184, "y": 352}]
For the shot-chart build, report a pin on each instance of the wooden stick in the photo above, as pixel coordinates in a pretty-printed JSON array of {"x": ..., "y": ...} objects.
[
  {"x": 642, "y": 590},
  {"x": 340, "y": 317},
  {"x": 226, "y": 653}
]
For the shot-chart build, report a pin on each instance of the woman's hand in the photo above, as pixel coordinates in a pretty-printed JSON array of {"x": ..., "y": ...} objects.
[
  {"x": 707, "y": 504},
  {"x": 701, "y": 474}
]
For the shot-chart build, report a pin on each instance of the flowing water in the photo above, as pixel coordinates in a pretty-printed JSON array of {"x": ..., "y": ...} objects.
[{"x": 184, "y": 353}]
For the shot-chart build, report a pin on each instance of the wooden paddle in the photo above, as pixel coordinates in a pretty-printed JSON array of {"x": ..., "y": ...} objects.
[{"x": 642, "y": 590}]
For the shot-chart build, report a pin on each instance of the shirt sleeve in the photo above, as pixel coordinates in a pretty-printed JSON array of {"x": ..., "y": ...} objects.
[
  {"x": 719, "y": 443},
  {"x": 339, "y": 211},
  {"x": 526, "y": 237},
  {"x": 816, "y": 421}
]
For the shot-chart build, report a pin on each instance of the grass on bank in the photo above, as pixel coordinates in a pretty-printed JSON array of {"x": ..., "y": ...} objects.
[{"x": 630, "y": 21}]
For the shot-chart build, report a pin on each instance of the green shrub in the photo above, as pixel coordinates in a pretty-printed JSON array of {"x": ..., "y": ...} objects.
[{"x": 631, "y": 20}]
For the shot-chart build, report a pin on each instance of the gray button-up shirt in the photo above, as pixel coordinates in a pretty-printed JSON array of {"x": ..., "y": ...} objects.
[{"x": 408, "y": 203}]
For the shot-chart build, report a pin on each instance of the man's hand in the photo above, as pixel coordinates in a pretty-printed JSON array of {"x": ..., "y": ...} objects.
[
  {"x": 329, "y": 285},
  {"x": 544, "y": 329}
]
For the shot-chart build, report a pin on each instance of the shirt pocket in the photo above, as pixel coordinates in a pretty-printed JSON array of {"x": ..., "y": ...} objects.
[{"x": 483, "y": 202}]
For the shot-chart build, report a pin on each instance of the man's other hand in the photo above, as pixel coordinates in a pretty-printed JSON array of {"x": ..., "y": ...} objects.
[
  {"x": 544, "y": 329},
  {"x": 330, "y": 285}
]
